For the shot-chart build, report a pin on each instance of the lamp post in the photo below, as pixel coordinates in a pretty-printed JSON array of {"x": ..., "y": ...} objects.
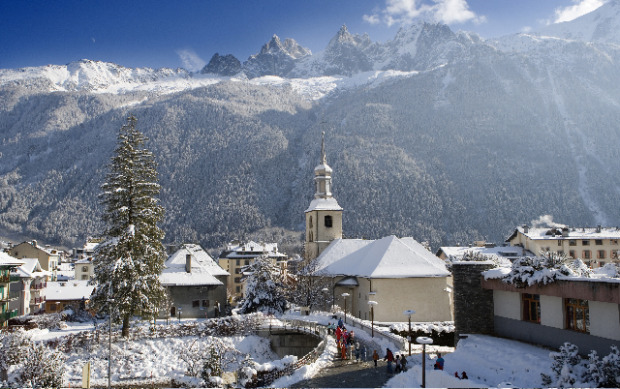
[
  {"x": 372, "y": 315},
  {"x": 179, "y": 310},
  {"x": 326, "y": 291},
  {"x": 110, "y": 302},
  {"x": 409, "y": 312},
  {"x": 345, "y": 295},
  {"x": 423, "y": 340}
]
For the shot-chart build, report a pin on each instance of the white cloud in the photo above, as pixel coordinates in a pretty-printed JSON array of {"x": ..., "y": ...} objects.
[
  {"x": 406, "y": 11},
  {"x": 579, "y": 8},
  {"x": 190, "y": 60}
]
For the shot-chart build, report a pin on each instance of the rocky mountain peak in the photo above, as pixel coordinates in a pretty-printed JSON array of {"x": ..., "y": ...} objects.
[{"x": 227, "y": 65}]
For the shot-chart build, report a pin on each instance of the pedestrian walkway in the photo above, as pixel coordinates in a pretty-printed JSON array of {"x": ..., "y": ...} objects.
[{"x": 348, "y": 374}]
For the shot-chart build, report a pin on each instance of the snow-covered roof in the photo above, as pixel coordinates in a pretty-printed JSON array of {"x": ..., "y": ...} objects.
[
  {"x": 203, "y": 268},
  {"x": 322, "y": 204},
  {"x": 31, "y": 269},
  {"x": 68, "y": 290},
  {"x": 251, "y": 249},
  {"x": 388, "y": 257},
  {"x": 501, "y": 251},
  {"x": 7, "y": 260},
  {"x": 555, "y": 233}
]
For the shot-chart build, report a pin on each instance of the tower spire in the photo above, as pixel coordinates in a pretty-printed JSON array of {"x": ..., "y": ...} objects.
[{"x": 323, "y": 158}]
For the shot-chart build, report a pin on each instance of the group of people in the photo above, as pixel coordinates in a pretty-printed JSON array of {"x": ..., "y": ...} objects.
[
  {"x": 345, "y": 341},
  {"x": 399, "y": 362}
]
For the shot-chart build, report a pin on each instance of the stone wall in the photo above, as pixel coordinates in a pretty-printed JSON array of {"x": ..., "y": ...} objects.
[{"x": 473, "y": 306}]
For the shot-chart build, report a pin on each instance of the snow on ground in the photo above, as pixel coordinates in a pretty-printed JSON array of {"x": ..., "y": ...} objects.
[{"x": 488, "y": 361}]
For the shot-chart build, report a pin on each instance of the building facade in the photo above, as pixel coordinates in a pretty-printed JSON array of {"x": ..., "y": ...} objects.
[
  {"x": 7, "y": 264},
  {"x": 48, "y": 258},
  {"x": 596, "y": 246},
  {"x": 583, "y": 312},
  {"x": 237, "y": 255}
]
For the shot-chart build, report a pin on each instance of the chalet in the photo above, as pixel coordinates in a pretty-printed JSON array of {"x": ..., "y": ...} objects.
[
  {"x": 72, "y": 294},
  {"x": 196, "y": 284},
  {"x": 48, "y": 258},
  {"x": 31, "y": 288}
]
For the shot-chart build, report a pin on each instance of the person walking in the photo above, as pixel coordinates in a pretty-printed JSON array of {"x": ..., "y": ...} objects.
[
  {"x": 397, "y": 368},
  {"x": 375, "y": 357},
  {"x": 403, "y": 363},
  {"x": 389, "y": 357}
]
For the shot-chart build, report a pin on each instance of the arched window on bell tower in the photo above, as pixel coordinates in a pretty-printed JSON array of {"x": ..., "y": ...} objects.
[{"x": 328, "y": 221}]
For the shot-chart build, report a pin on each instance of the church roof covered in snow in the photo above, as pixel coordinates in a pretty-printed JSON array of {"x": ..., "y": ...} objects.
[
  {"x": 324, "y": 204},
  {"x": 388, "y": 257},
  {"x": 203, "y": 269}
]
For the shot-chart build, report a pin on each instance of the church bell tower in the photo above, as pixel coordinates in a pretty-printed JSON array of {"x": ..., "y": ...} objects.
[{"x": 324, "y": 215}]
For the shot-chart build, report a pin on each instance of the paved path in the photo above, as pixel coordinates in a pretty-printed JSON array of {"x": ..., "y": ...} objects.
[{"x": 348, "y": 374}]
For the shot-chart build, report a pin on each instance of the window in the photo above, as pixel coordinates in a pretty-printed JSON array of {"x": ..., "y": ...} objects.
[
  {"x": 238, "y": 270},
  {"x": 560, "y": 243},
  {"x": 310, "y": 222},
  {"x": 195, "y": 303},
  {"x": 614, "y": 242},
  {"x": 614, "y": 254},
  {"x": 601, "y": 254},
  {"x": 328, "y": 221},
  {"x": 586, "y": 254},
  {"x": 571, "y": 253},
  {"x": 237, "y": 262},
  {"x": 237, "y": 280},
  {"x": 531, "y": 307},
  {"x": 601, "y": 263},
  {"x": 238, "y": 289},
  {"x": 577, "y": 315},
  {"x": 572, "y": 242},
  {"x": 85, "y": 269},
  {"x": 585, "y": 242},
  {"x": 205, "y": 303},
  {"x": 598, "y": 242},
  {"x": 84, "y": 276},
  {"x": 561, "y": 252},
  {"x": 246, "y": 262},
  {"x": 310, "y": 237}
]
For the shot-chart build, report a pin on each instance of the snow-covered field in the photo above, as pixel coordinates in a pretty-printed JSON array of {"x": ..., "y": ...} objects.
[{"x": 488, "y": 361}]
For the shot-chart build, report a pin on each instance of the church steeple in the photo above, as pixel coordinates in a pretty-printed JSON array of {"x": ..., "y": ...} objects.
[
  {"x": 324, "y": 215},
  {"x": 323, "y": 175}
]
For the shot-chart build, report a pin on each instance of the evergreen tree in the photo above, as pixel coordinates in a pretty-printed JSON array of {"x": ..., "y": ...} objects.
[
  {"x": 264, "y": 289},
  {"x": 130, "y": 260}
]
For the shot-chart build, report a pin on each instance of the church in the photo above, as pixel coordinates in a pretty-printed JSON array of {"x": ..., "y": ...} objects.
[{"x": 385, "y": 277}]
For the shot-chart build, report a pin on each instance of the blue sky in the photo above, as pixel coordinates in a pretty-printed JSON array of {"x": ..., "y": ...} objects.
[{"x": 186, "y": 33}]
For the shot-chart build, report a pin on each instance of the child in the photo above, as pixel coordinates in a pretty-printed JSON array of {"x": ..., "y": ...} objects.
[{"x": 375, "y": 357}]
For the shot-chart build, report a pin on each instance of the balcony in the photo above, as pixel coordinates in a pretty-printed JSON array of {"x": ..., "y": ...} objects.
[
  {"x": 8, "y": 315},
  {"x": 5, "y": 278}
]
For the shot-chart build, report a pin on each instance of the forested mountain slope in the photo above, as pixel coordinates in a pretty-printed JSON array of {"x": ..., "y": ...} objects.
[{"x": 459, "y": 141}]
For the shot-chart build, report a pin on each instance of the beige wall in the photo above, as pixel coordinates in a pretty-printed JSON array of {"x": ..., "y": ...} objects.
[
  {"x": 318, "y": 236},
  {"x": 26, "y": 250},
  {"x": 507, "y": 304},
  {"x": 427, "y": 296},
  {"x": 604, "y": 320},
  {"x": 579, "y": 248},
  {"x": 552, "y": 311}
]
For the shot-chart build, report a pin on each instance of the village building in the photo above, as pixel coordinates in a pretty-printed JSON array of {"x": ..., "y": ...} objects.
[
  {"x": 596, "y": 246},
  {"x": 84, "y": 269},
  {"x": 7, "y": 264},
  {"x": 196, "y": 284},
  {"x": 31, "y": 287},
  {"x": 62, "y": 295},
  {"x": 372, "y": 279},
  {"x": 48, "y": 258},
  {"x": 481, "y": 248},
  {"x": 237, "y": 255}
]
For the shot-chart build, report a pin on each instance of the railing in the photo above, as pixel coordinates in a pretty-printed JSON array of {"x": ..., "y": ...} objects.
[
  {"x": 397, "y": 340},
  {"x": 5, "y": 278},
  {"x": 266, "y": 378}
]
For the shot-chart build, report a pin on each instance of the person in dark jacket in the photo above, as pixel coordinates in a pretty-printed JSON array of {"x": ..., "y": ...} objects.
[{"x": 389, "y": 357}]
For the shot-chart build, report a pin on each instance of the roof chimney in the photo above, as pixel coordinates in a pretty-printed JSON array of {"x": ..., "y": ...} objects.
[
  {"x": 188, "y": 263},
  {"x": 526, "y": 229},
  {"x": 598, "y": 228},
  {"x": 565, "y": 232}
]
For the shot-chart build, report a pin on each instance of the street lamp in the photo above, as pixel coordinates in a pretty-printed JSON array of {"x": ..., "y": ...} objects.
[
  {"x": 110, "y": 302},
  {"x": 372, "y": 314},
  {"x": 326, "y": 291},
  {"x": 423, "y": 340},
  {"x": 345, "y": 295},
  {"x": 409, "y": 312}
]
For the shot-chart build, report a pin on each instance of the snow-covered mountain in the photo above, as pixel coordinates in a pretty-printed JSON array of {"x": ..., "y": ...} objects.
[{"x": 435, "y": 134}]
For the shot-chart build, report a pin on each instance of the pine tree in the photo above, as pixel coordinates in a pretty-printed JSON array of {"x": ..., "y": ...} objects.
[
  {"x": 264, "y": 289},
  {"x": 130, "y": 260}
]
